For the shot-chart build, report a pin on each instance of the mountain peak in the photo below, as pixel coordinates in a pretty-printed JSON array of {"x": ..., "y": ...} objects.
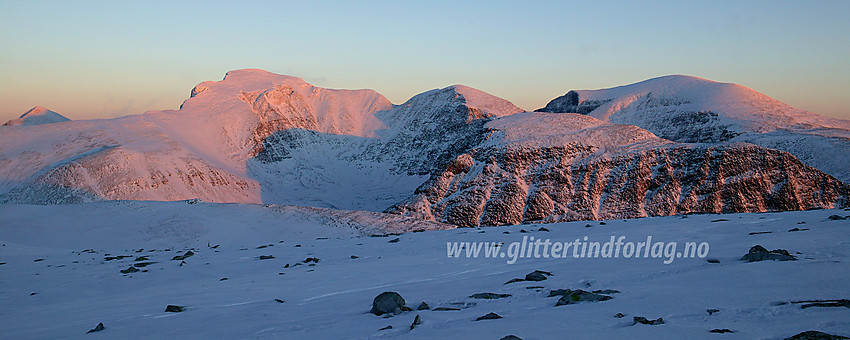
[{"x": 38, "y": 115}]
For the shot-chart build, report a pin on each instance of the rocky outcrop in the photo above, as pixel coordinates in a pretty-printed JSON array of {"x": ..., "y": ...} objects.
[{"x": 587, "y": 170}]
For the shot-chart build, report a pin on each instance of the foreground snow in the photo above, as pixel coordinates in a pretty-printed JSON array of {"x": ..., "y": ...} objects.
[{"x": 76, "y": 289}]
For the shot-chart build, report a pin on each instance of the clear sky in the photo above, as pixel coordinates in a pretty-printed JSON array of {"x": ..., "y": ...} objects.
[{"x": 91, "y": 59}]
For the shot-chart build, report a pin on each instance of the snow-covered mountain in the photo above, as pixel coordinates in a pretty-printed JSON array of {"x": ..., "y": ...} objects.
[
  {"x": 455, "y": 155},
  {"x": 36, "y": 116},
  {"x": 695, "y": 110}
]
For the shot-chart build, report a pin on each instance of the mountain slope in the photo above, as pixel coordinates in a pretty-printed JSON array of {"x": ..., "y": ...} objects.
[
  {"x": 695, "y": 110},
  {"x": 562, "y": 167},
  {"x": 36, "y": 116}
]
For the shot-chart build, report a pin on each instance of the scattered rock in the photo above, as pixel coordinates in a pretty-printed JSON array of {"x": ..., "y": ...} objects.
[
  {"x": 721, "y": 331},
  {"x": 837, "y": 218},
  {"x": 797, "y": 229},
  {"x": 33, "y": 293},
  {"x": 37, "y": 260},
  {"x": 523, "y": 231},
  {"x": 423, "y": 306},
  {"x": 578, "y": 296},
  {"x": 266, "y": 257},
  {"x": 489, "y": 316},
  {"x": 129, "y": 270},
  {"x": 278, "y": 301},
  {"x": 119, "y": 257},
  {"x": 297, "y": 246},
  {"x": 801, "y": 222},
  {"x": 588, "y": 226},
  {"x": 416, "y": 321},
  {"x": 602, "y": 223},
  {"x": 537, "y": 275},
  {"x": 815, "y": 335},
  {"x": 720, "y": 220},
  {"x": 395, "y": 240},
  {"x": 311, "y": 259},
  {"x": 514, "y": 280},
  {"x": 543, "y": 229},
  {"x": 759, "y": 253},
  {"x": 760, "y": 232},
  {"x": 174, "y": 308},
  {"x": 142, "y": 264},
  {"x": 141, "y": 258},
  {"x": 443, "y": 309},
  {"x": 606, "y": 291},
  {"x": 712, "y": 261},
  {"x": 387, "y": 302},
  {"x": 97, "y": 328},
  {"x": 223, "y": 279},
  {"x": 354, "y": 257},
  {"x": 712, "y": 311},
  {"x": 824, "y": 303},
  {"x": 188, "y": 254},
  {"x": 619, "y": 315},
  {"x": 510, "y": 337},
  {"x": 386, "y": 328},
  {"x": 645, "y": 321},
  {"x": 489, "y": 296}
]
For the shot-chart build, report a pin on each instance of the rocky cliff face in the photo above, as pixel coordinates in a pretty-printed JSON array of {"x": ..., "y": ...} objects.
[{"x": 588, "y": 170}]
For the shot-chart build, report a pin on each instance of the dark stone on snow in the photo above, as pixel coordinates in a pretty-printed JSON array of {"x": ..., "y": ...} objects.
[
  {"x": 188, "y": 254},
  {"x": 97, "y": 328},
  {"x": 355, "y": 257},
  {"x": 712, "y": 261},
  {"x": 606, "y": 291},
  {"x": 142, "y": 264},
  {"x": 489, "y": 316},
  {"x": 760, "y": 232},
  {"x": 311, "y": 259},
  {"x": 837, "y": 218},
  {"x": 514, "y": 280},
  {"x": 278, "y": 301},
  {"x": 423, "y": 306},
  {"x": 266, "y": 257},
  {"x": 395, "y": 240},
  {"x": 645, "y": 321},
  {"x": 824, "y": 303},
  {"x": 619, "y": 315},
  {"x": 386, "y": 328},
  {"x": 416, "y": 321},
  {"x": 141, "y": 258},
  {"x": 721, "y": 331},
  {"x": 542, "y": 229},
  {"x": 444, "y": 309},
  {"x": 174, "y": 308},
  {"x": 712, "y": 311},
  {"x": 489, "y": 296},
  {"x": 387, "y": 302},
  {"x": 815, "y": 335},
  {"x": 537, "y": 275},
  {"x": 129, "y": 270},
  {"x": 759, "y": 253},
  {"x": 578, "y": 295},
  {"x": 510, "y": 337}
]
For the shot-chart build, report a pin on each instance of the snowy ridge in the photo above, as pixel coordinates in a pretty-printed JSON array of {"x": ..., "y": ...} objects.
[
  {"x": 36, "y": 116},
  {"x": 691, "y": 109}
]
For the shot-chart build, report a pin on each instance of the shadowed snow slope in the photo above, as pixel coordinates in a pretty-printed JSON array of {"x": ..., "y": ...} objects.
[{"x": 691, "y": 109}]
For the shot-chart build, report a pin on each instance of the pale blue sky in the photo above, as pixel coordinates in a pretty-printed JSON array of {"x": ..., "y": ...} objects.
[{"x": 90, "y": 59}]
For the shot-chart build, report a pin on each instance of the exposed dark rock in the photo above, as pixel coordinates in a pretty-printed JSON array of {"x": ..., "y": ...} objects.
[
  {"x": 823, "y": 303},
  {"x": 386, "y": 328},
  {"x": 759, "y": 253},
  {"x": 489, "y": 316},
  {"x": 174, "y": 308},
  {"x": 578, "y": 296},
  {"x": 97, "y": 328},
  {"x": 442, "y": 309},
  {"x": 606, "y": 291},
  {"x": 416, "y": 321},
  {"x": 423, "y": 306},
  {"x": 279, "y": 301},
  {"x": 712, "y": 260},
  {"x": 720, "y": 220},
  {"x": 619, "y": 315},
  {"x": 266, "y": 257},
  {"x": 816, "y": 335},
  {"x": 188, "y": 254},
  {"x": 141, "y": 258},
  {"x": 837, "y": 217},
  {"x": 129, "y": 270},
  {"x": 142, "y": 264},
  {"x": 797, "y": 229},
  {"x": 712, "y": 311},
  {"x": 387, "y": 302},
  {"x": 354, "y": 257},
  {"x": 489, "y": 296},
  {"x": 510, "y": 337},
  {"x": 537, "y": 275},
  {"x": 311, "y": 259},
  {"x": 721, "y": 331},
  {"x": 760, "y": 232},
  {"x": 119, "y": 257},
  {"x": 395, "y": 240},
  {"x": 645, "y": 321}
]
